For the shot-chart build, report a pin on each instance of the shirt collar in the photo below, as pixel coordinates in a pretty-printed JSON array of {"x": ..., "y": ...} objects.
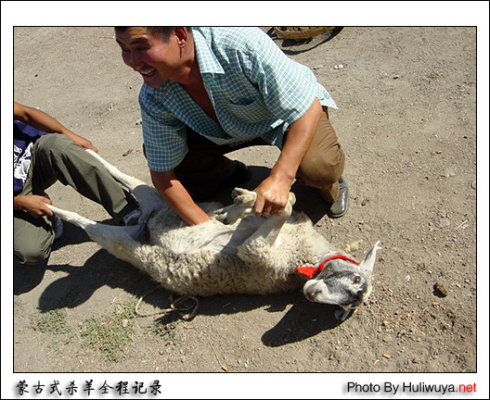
[{"x": 207, "y": 61}]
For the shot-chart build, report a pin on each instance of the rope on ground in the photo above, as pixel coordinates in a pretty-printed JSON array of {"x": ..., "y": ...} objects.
[{"x": 175, "y": 305}]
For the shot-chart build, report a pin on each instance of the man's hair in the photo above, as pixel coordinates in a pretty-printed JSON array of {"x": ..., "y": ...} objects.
[{"x": 163, "y": 31}]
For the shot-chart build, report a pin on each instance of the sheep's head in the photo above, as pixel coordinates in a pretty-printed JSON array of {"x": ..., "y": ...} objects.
[{"x": 342, "y": 282}]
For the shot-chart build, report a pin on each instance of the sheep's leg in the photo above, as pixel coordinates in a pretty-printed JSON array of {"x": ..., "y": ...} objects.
[
  {"x": 244, "y": 201},
  {"x": 269, "y": 230},
  {"x": 72, "y": 217},
  {"x": 115, "y": 239},
  {"x": 255, "y": 251},
  {"x": 148, "y": 197}
]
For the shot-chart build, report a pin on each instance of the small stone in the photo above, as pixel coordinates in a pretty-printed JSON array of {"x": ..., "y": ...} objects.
[
  {"x": 421, "y": 267},
  {"x": 364, "y": 202},
  {"x": 332, "y": 357},
  {"x": 444, "y": 223},
  {"x": 124, "y": 323},
  {"x": 354, "y": 246},
  {"x": 440, "y": 290},
  {"x": 386, "y": 355},
  {"x": 448, "y": 172}
]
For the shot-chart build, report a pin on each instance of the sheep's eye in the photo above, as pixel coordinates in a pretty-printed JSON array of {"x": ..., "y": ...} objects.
[{"x": 357, "y": 279}]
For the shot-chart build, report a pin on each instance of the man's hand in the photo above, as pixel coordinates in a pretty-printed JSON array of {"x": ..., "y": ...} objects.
[
  {"x": 272, "y": 196},
  {"x": 81, "y": 141},
  {"x": 34, "y": 205}
]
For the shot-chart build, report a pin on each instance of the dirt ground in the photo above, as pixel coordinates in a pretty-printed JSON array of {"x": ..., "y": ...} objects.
[{"x": 407, "y": 122}]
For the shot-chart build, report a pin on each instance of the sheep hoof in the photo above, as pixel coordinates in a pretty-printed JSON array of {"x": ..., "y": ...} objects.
[
  {"x": 222, "y": 215},
  {"x": 243, "y": 197},
  {"x": 229, "y": 215}
]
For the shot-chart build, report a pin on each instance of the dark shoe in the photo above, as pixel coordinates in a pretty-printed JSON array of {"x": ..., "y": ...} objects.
[{"x": 341, "y": 205}]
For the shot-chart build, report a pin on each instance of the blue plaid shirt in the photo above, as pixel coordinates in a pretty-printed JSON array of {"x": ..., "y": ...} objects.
[{"x": 255, "y": 89}]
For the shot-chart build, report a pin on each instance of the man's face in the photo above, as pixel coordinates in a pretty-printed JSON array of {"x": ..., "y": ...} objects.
[{"x": 147, "y": 53}]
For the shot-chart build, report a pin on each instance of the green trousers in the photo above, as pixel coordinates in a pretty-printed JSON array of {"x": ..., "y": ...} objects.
[{"x": 55, "y": 157}]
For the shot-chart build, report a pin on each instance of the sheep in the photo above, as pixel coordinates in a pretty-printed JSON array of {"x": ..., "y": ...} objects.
[{"x": 234, "y": 252}]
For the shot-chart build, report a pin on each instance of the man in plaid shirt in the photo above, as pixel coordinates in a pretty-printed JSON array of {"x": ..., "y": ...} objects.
[{"x": 209, "y": 91}]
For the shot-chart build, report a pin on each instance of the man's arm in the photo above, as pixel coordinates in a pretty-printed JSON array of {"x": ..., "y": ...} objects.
[
  {"x": 177, "y": 197},
  {"x": 34, "y": 204},
  {"x": 273, "y": 192},
  {"x": 44, "y": 122}
]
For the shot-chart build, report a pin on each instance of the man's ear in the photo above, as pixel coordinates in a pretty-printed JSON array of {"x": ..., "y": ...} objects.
[{"x": 181, "y": 34}]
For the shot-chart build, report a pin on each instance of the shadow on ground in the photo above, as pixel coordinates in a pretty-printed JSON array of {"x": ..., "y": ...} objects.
[
  {"x": 27, "y": 277},
  {"x": 303, "y": 319}
]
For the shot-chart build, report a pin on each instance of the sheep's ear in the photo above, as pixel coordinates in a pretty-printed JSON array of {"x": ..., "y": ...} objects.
[
  {"x": 367, "y": 264},
  {"x": 341, "y": 315}
]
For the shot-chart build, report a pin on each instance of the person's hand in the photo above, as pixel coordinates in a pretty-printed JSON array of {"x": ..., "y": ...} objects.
[
  {"x": 272, "y": 196},
  {"x": 35, "y": 205},
  {"x": 81, "y": 141}
]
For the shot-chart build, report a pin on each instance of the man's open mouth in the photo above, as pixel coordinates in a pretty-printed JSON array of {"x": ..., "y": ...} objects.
[{"x": 149, "y": 73}]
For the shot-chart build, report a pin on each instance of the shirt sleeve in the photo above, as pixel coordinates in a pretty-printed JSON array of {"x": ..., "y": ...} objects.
[
  {"x": 164, "y": 135},
  {"x": 287, "y": 87}
]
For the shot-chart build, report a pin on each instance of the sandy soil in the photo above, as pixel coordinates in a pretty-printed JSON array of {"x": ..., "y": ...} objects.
[{"x": 407, "y": 122}]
